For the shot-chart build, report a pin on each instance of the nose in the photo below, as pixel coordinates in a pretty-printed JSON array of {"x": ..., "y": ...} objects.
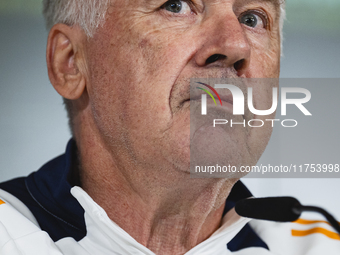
[{"x": 225, "y": 44}]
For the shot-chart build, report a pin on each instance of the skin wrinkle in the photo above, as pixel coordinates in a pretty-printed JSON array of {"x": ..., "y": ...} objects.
[
  {"x": 187, "y": 227},
  {"x": 132, "y": 125}
]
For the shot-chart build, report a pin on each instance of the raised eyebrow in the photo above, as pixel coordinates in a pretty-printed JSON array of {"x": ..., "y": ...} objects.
[{"x": 275, "y": 2}]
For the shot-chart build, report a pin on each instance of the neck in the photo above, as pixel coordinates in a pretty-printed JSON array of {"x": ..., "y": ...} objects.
[{"x": 166, "y": 210}]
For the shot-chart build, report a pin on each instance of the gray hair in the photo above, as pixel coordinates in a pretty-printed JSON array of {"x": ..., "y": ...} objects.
[
  {"x": 88, "y": 14},
  {"x": 282, "y": 20}
]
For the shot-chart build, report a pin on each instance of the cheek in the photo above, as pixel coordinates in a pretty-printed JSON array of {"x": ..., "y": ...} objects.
[
  {"x": 262, "y": 100},
  {"x": 130, "y": 85},
  {"x": 265, "y": 57}
]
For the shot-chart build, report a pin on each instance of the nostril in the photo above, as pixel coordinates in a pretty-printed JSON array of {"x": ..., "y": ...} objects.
[
  {"x": 214, "y": 58},
  {"x": 239, "y": 65}
]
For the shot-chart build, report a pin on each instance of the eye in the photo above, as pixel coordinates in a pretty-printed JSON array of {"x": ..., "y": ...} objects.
[
  {"x": 177, "y": 6},
  {"x": 252, "y": 20}
]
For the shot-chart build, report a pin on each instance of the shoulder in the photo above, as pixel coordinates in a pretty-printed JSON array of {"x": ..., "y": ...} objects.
[
  {"x": 19, "y": 231},
  {"x": 15, "y": 193}
]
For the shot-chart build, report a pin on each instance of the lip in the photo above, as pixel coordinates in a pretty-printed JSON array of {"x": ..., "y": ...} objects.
[
  {"x": 226, "y": 107},
  {"x": 227, "y": 99}
]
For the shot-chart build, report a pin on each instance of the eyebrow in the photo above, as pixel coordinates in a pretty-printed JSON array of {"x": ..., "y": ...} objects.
[{"x": 275, "y": 2}]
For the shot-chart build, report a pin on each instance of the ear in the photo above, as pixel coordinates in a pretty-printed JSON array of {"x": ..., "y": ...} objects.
[{"x": 66, "y": 61}]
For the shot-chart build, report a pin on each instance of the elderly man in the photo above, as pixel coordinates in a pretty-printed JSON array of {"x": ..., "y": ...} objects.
[{"x": 123, "y": 187}]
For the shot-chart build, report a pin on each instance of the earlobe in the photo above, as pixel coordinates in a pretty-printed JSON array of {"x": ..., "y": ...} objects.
[{"x": 64, "y": 61}]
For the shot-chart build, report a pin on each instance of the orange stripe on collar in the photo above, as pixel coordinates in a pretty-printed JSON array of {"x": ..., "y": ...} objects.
[
  {"x": 307, "y": 222},
  {"x": 323, "y": 231}
]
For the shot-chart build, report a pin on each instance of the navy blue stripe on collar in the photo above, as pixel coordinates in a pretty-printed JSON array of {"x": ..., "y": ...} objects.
[
  {"x": 237, "y": 193},
  {"x": 47, "y": 195},
  {"x": 247, "y": 237},
  {"x": 50, "y": 188}
]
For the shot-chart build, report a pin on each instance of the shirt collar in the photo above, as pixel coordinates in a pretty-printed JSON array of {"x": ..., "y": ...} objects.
[
  {"x": 115, "y": 239},
  {"x": 51, "y": 189}
]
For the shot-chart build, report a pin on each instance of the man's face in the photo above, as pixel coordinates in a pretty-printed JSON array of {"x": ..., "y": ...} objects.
[{"x": 141, "y": 61}]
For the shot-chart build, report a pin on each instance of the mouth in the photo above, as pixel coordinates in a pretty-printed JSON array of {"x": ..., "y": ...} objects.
[
  {"x": 223, "y": 99},
  {"x": 219, "y": 97}
]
